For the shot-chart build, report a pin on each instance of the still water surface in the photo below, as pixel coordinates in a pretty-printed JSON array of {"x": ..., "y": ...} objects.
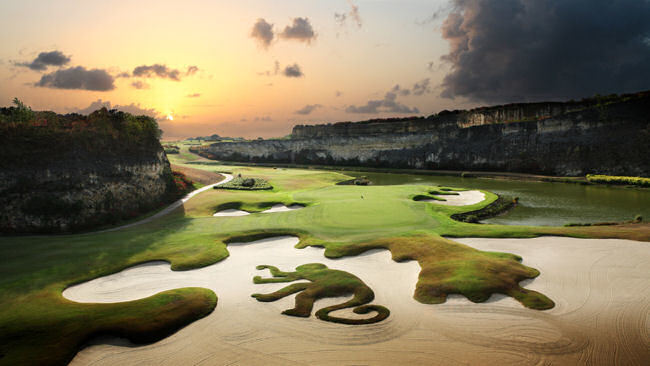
[{"x": 541, "y": 203}]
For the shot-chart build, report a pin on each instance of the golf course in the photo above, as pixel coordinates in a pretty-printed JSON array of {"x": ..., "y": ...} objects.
[{"x": 185, "y": 275}]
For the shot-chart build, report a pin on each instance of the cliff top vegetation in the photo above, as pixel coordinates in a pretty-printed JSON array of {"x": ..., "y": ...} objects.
[
  {"x": 571, "y": 105},
  {"x": 36, "y": 135}
]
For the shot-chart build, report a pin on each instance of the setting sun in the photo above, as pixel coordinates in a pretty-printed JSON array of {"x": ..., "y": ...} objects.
[{"x": 170, "y": 117}]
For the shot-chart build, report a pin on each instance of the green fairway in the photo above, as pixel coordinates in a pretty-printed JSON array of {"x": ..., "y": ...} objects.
[{"x": 345, "y": 219}]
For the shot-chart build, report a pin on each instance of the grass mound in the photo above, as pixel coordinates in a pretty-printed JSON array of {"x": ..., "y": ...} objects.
[
  {"x": 324, "y": 282},
  {"x": 423, "y": 197},
  {"x": 453, "y": 268},
  {"x": 500, "y": 206},
  {"x": 53, "y": 337},
  {"x": 246, "y": 184}
]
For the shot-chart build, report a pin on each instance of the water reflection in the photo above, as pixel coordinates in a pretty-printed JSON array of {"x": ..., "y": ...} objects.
[{"x": 541, "y": 203}]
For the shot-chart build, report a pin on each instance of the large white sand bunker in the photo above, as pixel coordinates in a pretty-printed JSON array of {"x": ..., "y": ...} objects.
[
  {"x": 282, "y": 208},
  {"x": 231, "y": 212},
  {"x": 232, "y": 281},
  {"x": 600, "y": 288},
  {"x": 463, "y": 198}
]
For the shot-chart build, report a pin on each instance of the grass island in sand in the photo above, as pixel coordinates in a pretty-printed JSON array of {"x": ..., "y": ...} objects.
[
  {"x": 324, "y": 282},
  {"x": 40, "y": 326}
]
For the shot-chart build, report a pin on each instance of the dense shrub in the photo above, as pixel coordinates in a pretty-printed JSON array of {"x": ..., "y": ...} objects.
[
  {"x": 500, "y": 206},
  {"x": 609, "y": 179},
  {"x": 28, "y": 137},
  {"x": 250, "y": 184},
  {"x": 180, "y": 185}
]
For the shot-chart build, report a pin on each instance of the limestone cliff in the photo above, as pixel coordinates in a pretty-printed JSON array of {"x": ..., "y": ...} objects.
[
  {"x": 66, "y": 178},
  {"x": 608, "y": 136}
]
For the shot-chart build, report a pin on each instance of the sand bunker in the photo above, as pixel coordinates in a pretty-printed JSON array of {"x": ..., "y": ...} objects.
[
  {"x": 464, "y": 198},
  {"x": 282, "y": 208},
  {"x": 275, "y": 208},
  {"x": 231, "y": 212},
  {"x": 600, "y": 288}
]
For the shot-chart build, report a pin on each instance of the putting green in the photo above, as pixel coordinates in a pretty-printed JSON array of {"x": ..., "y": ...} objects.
[{"x": 39, "y": 326}]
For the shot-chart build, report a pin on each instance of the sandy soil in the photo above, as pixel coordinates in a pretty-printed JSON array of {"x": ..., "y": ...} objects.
[
  {"x": 464, "y": 198},
  {"x": 231, "y": 212},
  {"x": 275, "y": 208},
  {"x": 601, "y": 288},
  {"x": 282, "y": 208},
  {"x": 198, "y": 175}
]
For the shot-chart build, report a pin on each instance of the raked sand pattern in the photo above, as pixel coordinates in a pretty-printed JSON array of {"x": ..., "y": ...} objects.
[{"x": 601, "y": 289}]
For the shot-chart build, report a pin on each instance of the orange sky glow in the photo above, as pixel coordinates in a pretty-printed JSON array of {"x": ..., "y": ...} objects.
[{"x": 359, "y": 52}]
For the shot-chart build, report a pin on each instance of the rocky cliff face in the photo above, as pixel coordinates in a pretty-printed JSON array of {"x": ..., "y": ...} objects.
[
  {"x": 545, "y": 138},
  {"x": 81, "y": 192},
  {"x": 61, "y": 173}
]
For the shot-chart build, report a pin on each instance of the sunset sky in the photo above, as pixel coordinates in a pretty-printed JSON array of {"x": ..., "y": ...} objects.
[{"x": 257, "y": 67}]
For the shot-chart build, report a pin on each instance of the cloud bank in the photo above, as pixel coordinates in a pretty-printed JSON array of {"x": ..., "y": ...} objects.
[
  {"x": 132, "y": 108},
  {"x": 78, "y": 78},
  {"x": 387, "y": 105},
  {"x": 519, "y": 50},
  {"x": 263, "y": 32},
  {"x": 301, "y": 30},
  {"x": 293, "y": 71},
  {"x": 307, "y": 109},
  {"x": 45, "y": 59}
]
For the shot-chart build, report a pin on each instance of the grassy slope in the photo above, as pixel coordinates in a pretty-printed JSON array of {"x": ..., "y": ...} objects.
[{"x": 347, "y": 220}]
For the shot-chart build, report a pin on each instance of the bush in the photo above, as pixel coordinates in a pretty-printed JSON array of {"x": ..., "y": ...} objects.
[
  {"x": 248, "y": 184},
  {"x": 609, "y": 179},
  {"x": 496, "y": 208},
  {"x": 362, "y": 181}
]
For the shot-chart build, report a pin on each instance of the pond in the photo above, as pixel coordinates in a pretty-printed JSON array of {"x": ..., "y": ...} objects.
[{"x": 541, "y": 203}]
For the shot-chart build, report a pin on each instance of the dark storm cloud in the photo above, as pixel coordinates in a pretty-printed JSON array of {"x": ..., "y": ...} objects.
[
  {"x": 293, "y": 71},
  {"x": 301, "y": 30},
  {"x": 307, "y": 109},
  {"x": 387, "y": 105},
  {"x": 263, "y": 32},
  {"x": 78, "y": 78},
  {"x": 517, "y": 50},
  {"x": 45, "y": 59},
  {"x": 132, "y": 108}
]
